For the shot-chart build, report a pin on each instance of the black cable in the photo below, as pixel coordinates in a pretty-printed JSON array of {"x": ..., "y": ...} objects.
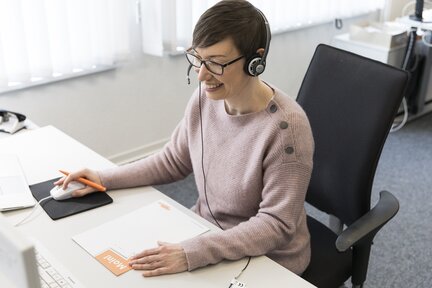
[
  {"x": 202, "y": 157},
  {"x": 409, "y": 51},
  {"x": 204, "y": 175},
  {"x": 247, "y": 264}
]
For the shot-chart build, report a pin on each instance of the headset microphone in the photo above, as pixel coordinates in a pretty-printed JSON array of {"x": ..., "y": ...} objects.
[{"x": 188, "y": 72}]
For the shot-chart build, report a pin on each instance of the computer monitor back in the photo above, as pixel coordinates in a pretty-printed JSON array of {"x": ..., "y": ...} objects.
[{"x": 17, "y": 258}]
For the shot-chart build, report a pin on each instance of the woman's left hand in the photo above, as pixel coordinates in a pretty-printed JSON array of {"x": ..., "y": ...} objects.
[{"x": 167, "y": 258}]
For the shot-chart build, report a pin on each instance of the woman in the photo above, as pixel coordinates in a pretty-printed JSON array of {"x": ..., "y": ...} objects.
[{"x": 248, "y": 144}]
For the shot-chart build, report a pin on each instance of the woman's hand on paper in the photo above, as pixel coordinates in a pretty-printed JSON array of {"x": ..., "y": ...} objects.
[
  {"x": 167, "y": 258},
  {"x": 84, "y": 173}
]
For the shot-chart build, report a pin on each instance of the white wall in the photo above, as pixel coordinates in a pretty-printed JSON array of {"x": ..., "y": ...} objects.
[
  {"x": 394, "y": 9},
  {"x": 130, "y": 111}
]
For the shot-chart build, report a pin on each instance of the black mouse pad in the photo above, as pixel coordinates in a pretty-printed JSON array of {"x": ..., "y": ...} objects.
[{"x": 60, "y": 209}]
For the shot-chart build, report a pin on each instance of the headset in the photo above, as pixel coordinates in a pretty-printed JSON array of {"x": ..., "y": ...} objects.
[
  {"x": 5, "y": 114},
  {"x": 255, "y": 65},
  {"x": 11, "y": 122}
]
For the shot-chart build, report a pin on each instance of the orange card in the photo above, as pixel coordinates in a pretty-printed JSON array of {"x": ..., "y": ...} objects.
[{"x": 114, "y": 262}]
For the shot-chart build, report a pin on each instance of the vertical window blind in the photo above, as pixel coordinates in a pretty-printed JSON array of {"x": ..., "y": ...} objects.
[
  {"x": 172, "y": 28},
  {"x": 41, "y": 40},
  {"x": 47, "y": 40}
]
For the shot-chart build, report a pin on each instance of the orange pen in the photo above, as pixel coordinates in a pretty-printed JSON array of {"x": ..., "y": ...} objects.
[{"x": 87, "y": 182}]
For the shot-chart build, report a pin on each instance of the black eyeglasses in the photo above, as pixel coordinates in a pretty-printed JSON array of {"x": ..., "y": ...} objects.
[{"x": 213, "y": 67}]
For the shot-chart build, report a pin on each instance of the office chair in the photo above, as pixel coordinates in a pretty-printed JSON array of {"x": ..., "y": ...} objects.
[{"x": 350, "y": 102}]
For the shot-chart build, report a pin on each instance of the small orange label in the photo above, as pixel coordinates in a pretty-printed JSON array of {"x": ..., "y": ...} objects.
[
  {"x": 164, "y": 206},
  {"x": 114, "y": 262}
]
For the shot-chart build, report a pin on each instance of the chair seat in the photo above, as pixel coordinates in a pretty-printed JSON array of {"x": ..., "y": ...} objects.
[{"x": 328, "y": 267}]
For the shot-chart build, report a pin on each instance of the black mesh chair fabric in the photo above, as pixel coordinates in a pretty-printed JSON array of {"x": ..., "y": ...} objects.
[{"x": 351, "y": 102}]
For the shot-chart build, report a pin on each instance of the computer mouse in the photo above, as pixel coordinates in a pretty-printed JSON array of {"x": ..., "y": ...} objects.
[{"x": 59, "y": 194}]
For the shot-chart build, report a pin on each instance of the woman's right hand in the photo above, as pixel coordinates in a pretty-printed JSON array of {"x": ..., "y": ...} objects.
[{"x": 89, "y": 174}]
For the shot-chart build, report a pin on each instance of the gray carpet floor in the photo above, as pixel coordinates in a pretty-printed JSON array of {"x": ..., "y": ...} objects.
[{"x": 402, "y": 254}]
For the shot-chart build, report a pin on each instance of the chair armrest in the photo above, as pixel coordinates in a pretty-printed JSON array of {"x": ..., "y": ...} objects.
[{"x": 366, "y": 227}]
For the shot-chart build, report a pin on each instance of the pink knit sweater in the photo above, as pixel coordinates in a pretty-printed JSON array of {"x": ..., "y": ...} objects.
[{"x": 257, "y": 169}]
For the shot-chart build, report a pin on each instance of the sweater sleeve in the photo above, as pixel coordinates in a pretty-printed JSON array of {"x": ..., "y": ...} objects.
[
  {"x": 273, "y": 226},
  {"x": 170, "y": 164}
]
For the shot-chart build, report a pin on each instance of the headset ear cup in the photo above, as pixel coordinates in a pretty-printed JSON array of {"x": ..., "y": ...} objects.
[
  {"x": 252, "y": 64},
  {"x": 259, "y": 68}
]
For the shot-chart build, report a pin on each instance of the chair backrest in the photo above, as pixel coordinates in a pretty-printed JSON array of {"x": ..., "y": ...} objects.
[{"x": 351, "y": 102}]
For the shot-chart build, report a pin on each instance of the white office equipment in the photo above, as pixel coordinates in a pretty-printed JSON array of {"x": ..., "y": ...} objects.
[
  {"x": 389, "y": 55},
  {"x": 51, "y": 272},
  {"x": 24, "y": 266},
  {"x": 17, "y": 258},
  {"x": 14, "y": 190}
]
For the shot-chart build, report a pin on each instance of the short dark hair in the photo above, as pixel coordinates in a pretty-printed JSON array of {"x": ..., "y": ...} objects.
[{"x": 237, "y": 19}]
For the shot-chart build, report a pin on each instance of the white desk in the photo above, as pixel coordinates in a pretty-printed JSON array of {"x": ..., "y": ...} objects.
[{"x": 45, "y": 150}]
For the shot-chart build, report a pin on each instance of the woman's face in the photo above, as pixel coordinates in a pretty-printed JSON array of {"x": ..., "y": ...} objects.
[{"x": 233, "y": 80}]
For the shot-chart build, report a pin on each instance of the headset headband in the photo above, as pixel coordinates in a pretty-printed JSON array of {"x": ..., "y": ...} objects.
[{"x": 268, "y": 37}]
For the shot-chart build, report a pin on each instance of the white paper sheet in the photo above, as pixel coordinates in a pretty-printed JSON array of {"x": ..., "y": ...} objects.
[
  {"x": 14, "y": 190},
  {"x": 140, "y": 230}
]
